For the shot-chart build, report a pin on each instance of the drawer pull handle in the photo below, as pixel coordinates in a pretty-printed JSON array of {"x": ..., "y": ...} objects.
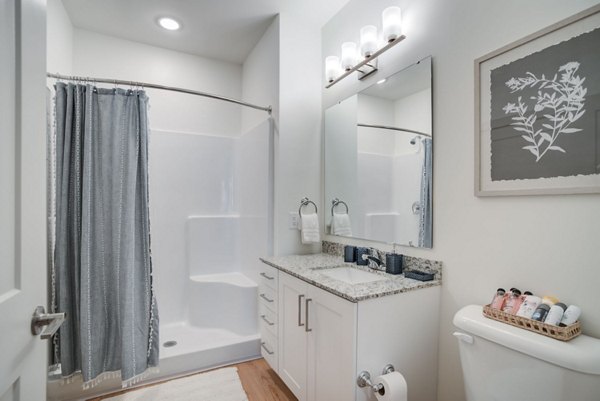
[
  {"x": 263, "y": 296},
  {"x": 265, "y": 275},
  {"x": 306, "y": 317},
  {"x": 300, "y": 324},
  {"x": 262, "y": 344},
  {"x": 263, "y": 317}
]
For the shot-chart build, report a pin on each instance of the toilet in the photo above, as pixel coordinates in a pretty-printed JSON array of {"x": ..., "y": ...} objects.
[{"x": 501, "y": 362}]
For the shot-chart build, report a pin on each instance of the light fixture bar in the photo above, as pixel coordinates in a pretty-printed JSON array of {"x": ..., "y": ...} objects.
[{"x": 368, "y": 60}]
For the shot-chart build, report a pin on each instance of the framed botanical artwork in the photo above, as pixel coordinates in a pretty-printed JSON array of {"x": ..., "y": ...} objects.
[{"x": 537, "y": 112}]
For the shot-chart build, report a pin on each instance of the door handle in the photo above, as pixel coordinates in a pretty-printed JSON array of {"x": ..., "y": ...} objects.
[
  {"x": 51, "y": 322},
  {"x": 300, "y": 324},
  {"x": 306, "y": 316}
]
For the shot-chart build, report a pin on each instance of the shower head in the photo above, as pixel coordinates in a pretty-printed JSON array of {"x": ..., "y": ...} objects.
[{"x": 414, "y": 140}]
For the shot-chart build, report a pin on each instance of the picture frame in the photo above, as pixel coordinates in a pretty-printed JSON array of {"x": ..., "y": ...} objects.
[{"x": 537, "y": 112}]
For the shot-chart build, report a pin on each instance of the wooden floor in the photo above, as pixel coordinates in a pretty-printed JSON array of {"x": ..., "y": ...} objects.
[{"x": 260, "y": 382}]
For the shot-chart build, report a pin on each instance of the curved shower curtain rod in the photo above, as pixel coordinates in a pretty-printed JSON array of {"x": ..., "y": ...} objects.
[{"x": 268, "y": 109}]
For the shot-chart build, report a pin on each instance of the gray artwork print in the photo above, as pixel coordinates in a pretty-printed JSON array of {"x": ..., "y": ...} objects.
[
  {"x": 545, "y": 112},
  {"x": 560, "y": 100}
]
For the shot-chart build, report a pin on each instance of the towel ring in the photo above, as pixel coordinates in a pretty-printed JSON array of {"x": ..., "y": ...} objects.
[
  {"x": 336, "y": 202},
  {"x": 305, "y": 201}
]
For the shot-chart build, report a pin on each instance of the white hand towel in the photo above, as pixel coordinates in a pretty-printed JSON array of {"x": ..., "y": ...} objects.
[
  {"x": 341, "y": 224},
  {"x": 310, "y": 232}
]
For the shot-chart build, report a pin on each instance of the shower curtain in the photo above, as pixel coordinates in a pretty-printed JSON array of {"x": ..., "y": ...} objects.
[
  {"x": 103, "y": 270},
  {"x": 425, "y": 223}
]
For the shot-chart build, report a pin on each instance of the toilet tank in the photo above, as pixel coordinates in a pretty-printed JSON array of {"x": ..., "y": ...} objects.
[{"x": 501, "y": 362}]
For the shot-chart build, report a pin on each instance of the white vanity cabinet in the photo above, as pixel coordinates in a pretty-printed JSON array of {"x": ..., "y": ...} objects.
[
  {"x": 318, "y": 342},
  {"x": 317, "y": 339}
]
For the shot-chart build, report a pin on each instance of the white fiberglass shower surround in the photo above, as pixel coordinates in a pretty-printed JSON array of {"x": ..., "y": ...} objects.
[{"x": 210, "y": 222}]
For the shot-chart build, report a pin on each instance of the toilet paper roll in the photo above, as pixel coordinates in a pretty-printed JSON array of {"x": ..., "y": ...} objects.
[{"x": 394, "y": 387}]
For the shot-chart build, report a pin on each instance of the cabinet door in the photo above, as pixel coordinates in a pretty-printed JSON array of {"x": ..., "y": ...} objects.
[
  {"x": 292, "y": 335},
  {"x": 331, "y": 347}
]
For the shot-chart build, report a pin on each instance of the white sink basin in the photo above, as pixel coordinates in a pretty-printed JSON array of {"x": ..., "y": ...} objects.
[{"x": 351, "y": 275}]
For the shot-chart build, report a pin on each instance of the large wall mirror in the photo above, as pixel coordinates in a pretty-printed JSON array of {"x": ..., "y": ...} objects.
[{"x": 378, "y": 161}]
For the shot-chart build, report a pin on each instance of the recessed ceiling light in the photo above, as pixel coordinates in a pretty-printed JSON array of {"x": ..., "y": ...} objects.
[
  {"x": 381, "y": 81},
  {"x": 169, "y": 23}
]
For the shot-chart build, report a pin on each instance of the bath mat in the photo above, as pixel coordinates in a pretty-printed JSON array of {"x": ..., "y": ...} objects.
[{"x": 217, "y": 385}]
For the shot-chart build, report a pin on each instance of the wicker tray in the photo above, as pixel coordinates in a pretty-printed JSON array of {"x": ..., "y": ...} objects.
[{"x": 548, "y": 330}]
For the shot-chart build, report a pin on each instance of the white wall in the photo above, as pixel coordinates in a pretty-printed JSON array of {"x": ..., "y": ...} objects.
[
  {"x": 97, "y": 55},
  {"x": 260, "y": 77},
  {"x": 298, "y": 156},
  {"x": 59, "y": 38},
  {"x": 548, "y": 244}
]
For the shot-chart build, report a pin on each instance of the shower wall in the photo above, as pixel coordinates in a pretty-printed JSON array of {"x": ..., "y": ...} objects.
[{"x": 208, "y": 210}]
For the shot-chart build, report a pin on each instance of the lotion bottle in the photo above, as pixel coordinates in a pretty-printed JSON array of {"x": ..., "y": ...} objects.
[
  {"x": 555, "y": 314},
  {"x": 571, "y": 315}
]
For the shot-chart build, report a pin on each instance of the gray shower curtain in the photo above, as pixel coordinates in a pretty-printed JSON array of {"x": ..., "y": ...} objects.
[
  {"x": 103, "y": 270},
  {"x": 425, "y": 229}
]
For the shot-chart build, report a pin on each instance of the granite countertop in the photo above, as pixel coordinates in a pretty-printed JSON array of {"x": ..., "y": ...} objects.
[{"x": 307, "y": 267}]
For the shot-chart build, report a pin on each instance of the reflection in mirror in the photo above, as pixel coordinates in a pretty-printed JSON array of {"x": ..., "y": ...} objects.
[{"x": 378, "y": 161}]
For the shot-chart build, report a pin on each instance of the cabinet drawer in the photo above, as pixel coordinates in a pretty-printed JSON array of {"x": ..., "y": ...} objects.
[
  {"x": 268, "y": 349},
  {"x": 267, "y": 319},
  {"x": 268, "y": 297},
  {"x": 269, "y": 276}
]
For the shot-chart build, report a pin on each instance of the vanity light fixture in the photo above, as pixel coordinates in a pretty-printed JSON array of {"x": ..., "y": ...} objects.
[
  {"x": 369, "y": 49},
  {"x": 169, "y": 23},
  {"x": 392, "y": 23},
  {"x": 332, "y": 68},
  {"x": 349, "y": 55},
  {"x": 368, "y": 40}
]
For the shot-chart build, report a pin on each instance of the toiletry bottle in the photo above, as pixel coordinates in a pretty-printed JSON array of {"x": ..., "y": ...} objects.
[
  {"x": 571, "y": 315},
  {"x": 549, "y": 300},
  {"x": 541, "y": 312},
  {"x": 555, "y": 314},
  {"x": 529, "y": 305},
  {"x": 511, "y": 304},
  {"x": 498, "y": 299}
]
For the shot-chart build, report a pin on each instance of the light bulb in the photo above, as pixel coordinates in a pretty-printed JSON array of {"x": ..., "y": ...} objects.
[
  {"x": 348, "y": 55},
  {"x": 332, "y": 68},
  {"x": 169, "y": 23},
  {"x": 392, "y": 23},
  {"x": 368, "y": 40}
]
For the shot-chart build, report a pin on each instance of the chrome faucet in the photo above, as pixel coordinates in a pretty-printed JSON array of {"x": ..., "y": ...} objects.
[{"x": 374, "y": 259}]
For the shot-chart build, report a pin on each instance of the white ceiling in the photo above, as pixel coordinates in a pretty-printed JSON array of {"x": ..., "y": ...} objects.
[{"x": 220, "y": 29}]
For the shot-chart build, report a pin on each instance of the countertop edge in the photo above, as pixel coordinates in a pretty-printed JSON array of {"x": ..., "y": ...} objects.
[{"x": 424, "y": 284}]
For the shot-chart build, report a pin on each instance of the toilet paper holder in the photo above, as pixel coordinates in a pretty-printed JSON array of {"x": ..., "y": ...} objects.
[{"x": 364, "y": 378}]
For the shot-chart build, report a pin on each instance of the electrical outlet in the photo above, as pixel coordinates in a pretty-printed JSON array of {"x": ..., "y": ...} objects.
[{"x": 293, "y": 221}]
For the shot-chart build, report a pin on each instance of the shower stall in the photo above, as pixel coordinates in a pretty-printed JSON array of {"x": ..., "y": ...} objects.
[
  {"x": 211, "y": 218},
  {"x": 210, "y": 222}
]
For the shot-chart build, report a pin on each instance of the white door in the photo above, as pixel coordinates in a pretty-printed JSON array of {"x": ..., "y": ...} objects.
[
  {"x": 22, "y": 197},
  {"x": 292, "y": 334},
  {"x": 331, "y": 347}
]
